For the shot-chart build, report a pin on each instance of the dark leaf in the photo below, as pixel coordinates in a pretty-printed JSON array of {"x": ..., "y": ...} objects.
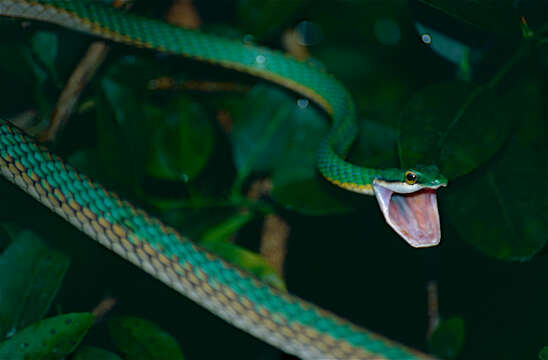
[
  {"x": 496, "y": 209},
  {"x": 35, "y": 275},
  {"x": 276, "y": 132},
  {"x": 141, "y": 339},
  {"x": 448, "y": 124},
  {"x": 259, "y": 134},
  {"x": 93, "y": 353},
  {"x": 52, "y": 338},
  {"x": 182, "y": 141},
  {"x": 447, "y": 339}
]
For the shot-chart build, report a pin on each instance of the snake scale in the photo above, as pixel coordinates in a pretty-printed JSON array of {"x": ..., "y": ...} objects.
[{"x": 276, "y": 317}]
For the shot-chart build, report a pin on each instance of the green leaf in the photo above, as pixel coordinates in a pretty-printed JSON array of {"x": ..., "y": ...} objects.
[
  {"x": 296, "y": 183},
  {"x": 171, "y": 139},
  {"x": 447, "y": 339},
  {"x": 45, "y": 45},
  {"x": 500, "y": 16},
  {"x": 274, "y": 132},
  {"x": 496, "y": 209},
  {"x": 260, "y": 131},
  {"x": 182, "y": 142},
  {"x": 448, "y": 124},
  {"x": 140, "y": 339},
  {"x": 543, "y": 354},
  {"x": 52, "y": 338},
  {"x": 215, "y": 240},
  {"x": 32, "y": 275},
  {"x": 93, "y": 353},
  {"x": 227, "y": 228},
  {"x": 247, "y": 260}
]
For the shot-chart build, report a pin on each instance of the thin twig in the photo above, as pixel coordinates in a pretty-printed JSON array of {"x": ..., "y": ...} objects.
[
  {"x": 433, "y": 307},
  {"x": 80, "y": 77},
  {"x": 76, "y": 83},
  {"x": 103, "y": 307}
]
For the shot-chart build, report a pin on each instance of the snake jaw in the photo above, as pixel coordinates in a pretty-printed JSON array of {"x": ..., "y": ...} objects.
[{"x": 413, "y": 215}]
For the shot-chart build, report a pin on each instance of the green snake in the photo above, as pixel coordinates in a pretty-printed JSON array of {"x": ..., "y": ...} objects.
[{"x": 407, "y": 197}]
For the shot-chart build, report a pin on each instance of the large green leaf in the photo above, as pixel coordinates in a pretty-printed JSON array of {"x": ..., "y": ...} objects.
[
  {"x": 52, "y": 338},
  {"x": 274, "y": 132},
  {"x": 447, "y": 339},
  {"x": 543, "y": 354},
  {"x": 259, "y": 134},
  {"x": 499, "y": 209},
  {"x": 31, "y": 275},
  {"x": 172, "y": 141},
  {"x": 454, "y": 125},
  {"x": 140, "y": 339},
  {"x": 182, "y": 141}
]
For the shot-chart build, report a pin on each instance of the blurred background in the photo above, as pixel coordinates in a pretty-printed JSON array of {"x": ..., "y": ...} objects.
[{"x": 229, "y": 160}]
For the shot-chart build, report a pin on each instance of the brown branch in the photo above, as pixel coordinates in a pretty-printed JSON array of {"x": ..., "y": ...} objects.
[
  {"x": 183, "y": 13},
  {"x": 76, "y": 83},
  {"x": 274, "y": 242},
  {"x": 103, "y": 307},
  {"x": 294, "y": 45}
]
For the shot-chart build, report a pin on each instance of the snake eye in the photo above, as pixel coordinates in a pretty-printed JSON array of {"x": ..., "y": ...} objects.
[{"x": 410, "y": 177}]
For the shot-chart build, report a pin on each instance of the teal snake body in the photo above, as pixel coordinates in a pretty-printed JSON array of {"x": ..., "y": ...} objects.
[{"x": 276, "y": 317}]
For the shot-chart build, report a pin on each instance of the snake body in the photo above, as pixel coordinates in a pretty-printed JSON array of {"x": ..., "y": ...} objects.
[{"x": 276, "y": 317}]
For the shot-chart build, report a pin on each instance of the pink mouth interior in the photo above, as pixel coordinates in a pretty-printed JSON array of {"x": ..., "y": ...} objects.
[{"x": 413, "y": 216}]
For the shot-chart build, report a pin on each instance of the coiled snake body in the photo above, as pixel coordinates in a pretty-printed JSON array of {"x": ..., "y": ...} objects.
[{"x": 278, "y": 318}]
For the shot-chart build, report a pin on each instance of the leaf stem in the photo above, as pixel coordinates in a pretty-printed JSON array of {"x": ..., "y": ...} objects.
[{"x": 518, "y": 55}]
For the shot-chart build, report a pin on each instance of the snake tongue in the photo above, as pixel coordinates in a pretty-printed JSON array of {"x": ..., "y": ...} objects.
[{"x": 414, "y": 216}]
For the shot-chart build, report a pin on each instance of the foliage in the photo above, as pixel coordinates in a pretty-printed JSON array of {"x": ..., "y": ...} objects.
[
  {"x": 447, "y": 339},
  {"x": 472, "y": 101}
]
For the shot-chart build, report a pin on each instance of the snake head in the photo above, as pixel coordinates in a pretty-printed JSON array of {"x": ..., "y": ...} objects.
[{"x": 407, "y": 199}]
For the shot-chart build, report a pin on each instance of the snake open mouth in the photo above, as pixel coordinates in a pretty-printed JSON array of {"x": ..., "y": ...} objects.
[{"x": 414, "y": 215}]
